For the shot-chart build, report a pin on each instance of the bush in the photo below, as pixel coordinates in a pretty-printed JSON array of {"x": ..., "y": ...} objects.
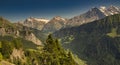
[
  {"x": 6, "y": 49},
  {"x": 1, "y": 56}
]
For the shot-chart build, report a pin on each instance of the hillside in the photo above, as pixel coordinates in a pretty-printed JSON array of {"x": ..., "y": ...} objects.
[
  {"x": 15, "y": 52},
  {"x": 96, "y": 42},
  {"x": 19, "y": 45}
]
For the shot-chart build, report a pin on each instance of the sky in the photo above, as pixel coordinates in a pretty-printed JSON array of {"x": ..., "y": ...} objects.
[{"x": 19, "y": 10}]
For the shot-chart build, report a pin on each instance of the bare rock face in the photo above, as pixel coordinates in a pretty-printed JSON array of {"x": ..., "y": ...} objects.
[
  {"x": 2, "y": 31},
  {"x": 5, "y": 63},
  {"x": 16, "y": 33},
  {"x": 16, "y": 30},
  {"x": 17, "y": 54},
  {"x": 32, "y": 37}
]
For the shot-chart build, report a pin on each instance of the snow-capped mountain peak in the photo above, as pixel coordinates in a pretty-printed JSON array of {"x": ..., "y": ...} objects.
[
  {"x": 37, "y": 19},
  {"x": 104, "y": 10},
  {"x": 102, "y": 7},
  {"x": 42, "y": 19}
]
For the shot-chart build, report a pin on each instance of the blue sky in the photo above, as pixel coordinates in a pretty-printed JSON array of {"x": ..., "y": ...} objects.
[{"x": 15, "y": 10}]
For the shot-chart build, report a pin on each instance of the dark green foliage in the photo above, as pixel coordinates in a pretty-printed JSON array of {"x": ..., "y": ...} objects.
[
  {"x": 57, "y": 54},
  {"x": 1, "y": 57},
  {"x": 39, "y": 34},
  {"x": 17, "y": 43},
  {"x": 7, "y": 48},
  {"x": 52, "y": 54},
  {"x": 97, "y": 42},
  {"x": 8, "y": 43},
  {"x": 5, "y": 23}
]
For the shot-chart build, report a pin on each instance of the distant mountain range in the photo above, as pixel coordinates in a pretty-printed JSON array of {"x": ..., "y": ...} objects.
[{"x": 58, "y": 22}]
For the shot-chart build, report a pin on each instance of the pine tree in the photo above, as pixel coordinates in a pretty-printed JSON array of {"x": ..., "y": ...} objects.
[{"x": 55, "y": 55}]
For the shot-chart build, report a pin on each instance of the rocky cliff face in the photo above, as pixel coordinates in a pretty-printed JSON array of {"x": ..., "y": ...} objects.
[
  {"x": 17, "y": 30},
  {"x": 32, "y": 37},
  {"x": 17, "y": 54},
  {"x": 2, "y": 31},
  {"x": 16, "y": 33}
]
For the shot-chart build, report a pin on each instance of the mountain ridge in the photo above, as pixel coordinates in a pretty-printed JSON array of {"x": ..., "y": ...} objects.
[{"x": 92, "y": 14}]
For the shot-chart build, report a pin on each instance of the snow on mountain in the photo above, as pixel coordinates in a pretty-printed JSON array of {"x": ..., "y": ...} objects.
[
  {"x": 104, "y": 10},
  {"x": 38, "y": 19},
  {"x": 58, "y": 22},
  {"x": 41, "y": 19},
  {"x": 37, "y": 23},
  {"x": 110, "y": 10}
]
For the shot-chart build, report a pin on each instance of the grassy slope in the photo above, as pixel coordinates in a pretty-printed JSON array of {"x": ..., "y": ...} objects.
[{"x": 97, "y": 42}]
